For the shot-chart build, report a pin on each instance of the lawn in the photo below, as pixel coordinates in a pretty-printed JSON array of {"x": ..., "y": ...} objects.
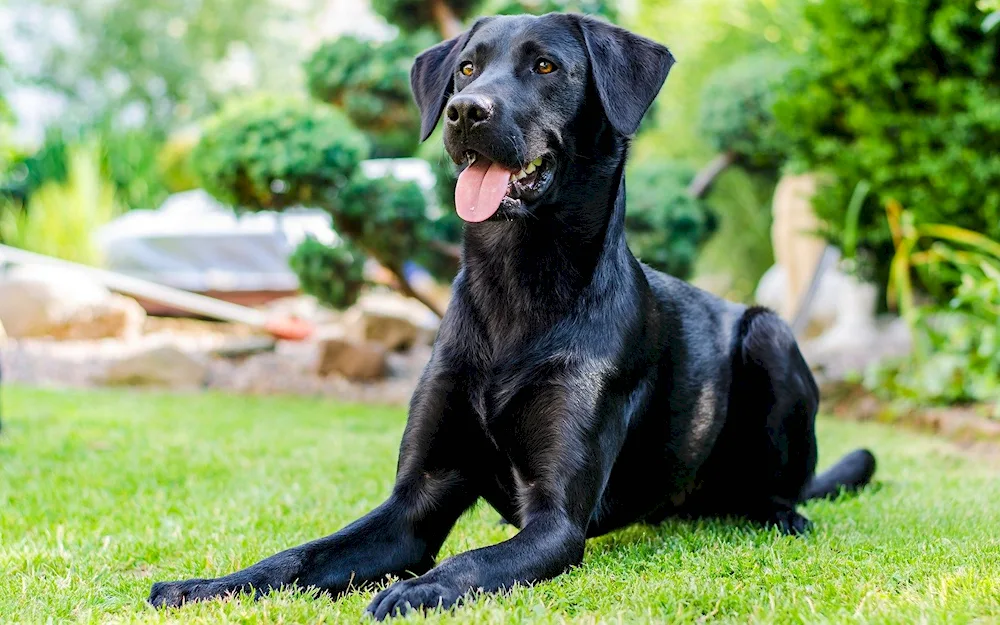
[{"x": 102, "y": 493}]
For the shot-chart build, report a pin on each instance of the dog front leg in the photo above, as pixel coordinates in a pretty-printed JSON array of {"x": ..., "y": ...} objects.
[
  {"x": 549, "y": 544},
  {"x": 558, "y": 493},
  {"x": 400, "y": 537}
]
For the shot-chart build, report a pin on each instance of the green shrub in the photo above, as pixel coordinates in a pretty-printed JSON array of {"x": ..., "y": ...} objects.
[
  {"x": 127, "y": 158},
  {"x": 956, "y": 356},
  {"x": 175, "y": 162},
  {"x": 737, "y": 110},
  {"x": 130, "y": 161},
  {"x": 902, "y": 94},
  {"x": 665, "y": 226},
  {"x": 271, "y": 153},
  {"x": 370, "y": 81},
  {"x": 385, "y": 216},
  {"x": 604, "y": 8},
  {"x": 333, "y": 274},
  {"x": 61, "y": 218},
  {"x": 413, "y": 15}
]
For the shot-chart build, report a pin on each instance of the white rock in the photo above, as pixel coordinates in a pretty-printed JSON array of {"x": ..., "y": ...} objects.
[
  {"x": 353, "y": 360},
  {"x": 63, "y": 304},
  {"x": 164, "y": 366},
  {"x": 393, "y": 321}
]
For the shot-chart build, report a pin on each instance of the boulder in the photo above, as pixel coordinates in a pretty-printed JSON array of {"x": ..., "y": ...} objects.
[
  {"x": 65, "y": 305},
  {"x": 363, "y": 362},
  {"x": 164, "y": 366},
  {"x": 841, "y": 301},
  {"x": 395, "y": 322},
  {"x": 797, "y": 248}
]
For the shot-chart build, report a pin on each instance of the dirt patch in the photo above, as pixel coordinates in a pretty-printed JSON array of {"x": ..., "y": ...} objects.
[{"x": 970, "y": 426}]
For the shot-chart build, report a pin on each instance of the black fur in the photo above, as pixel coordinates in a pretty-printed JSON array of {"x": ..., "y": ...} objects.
[{"x": 571, "y": 387}]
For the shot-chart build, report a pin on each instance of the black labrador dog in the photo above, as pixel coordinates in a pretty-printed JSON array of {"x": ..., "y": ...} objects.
[{"x": 571, "y": 387}]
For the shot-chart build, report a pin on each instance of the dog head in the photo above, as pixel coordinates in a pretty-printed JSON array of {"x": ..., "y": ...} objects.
[{"x": 512, "y": 88}]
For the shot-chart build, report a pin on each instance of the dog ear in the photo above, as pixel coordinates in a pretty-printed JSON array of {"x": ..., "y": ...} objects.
[
  {"x": 432, "y": 79},
  {"x": 628, "y": 71}
]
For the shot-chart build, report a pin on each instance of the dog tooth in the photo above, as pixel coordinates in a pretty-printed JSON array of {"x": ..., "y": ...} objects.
[
  {"x": 521, "y": 174},
  {"x": 530, "y": 168},
  {"x": 513, "y": 177},
  {"x": 537, "y": 162}
]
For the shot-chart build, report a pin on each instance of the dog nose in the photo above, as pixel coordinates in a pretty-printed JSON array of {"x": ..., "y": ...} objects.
[{"x": 469, "y": 110}]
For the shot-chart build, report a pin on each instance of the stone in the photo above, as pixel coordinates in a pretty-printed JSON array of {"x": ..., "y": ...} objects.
[
  {"x": 37, "y": 301},
  {"x": 842, "y": 301},
  {"x": 117, "y": 317},
  {"x": 797, "y": 248},
  {"x": 353, "y": 360},
  {"x": 164, "y": 366},
  {"x": 242, "y": 347},
  {"x": 395, "y": 322}
]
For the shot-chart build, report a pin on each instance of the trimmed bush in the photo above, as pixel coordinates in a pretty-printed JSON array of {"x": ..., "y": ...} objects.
[
  {"x": 664, "y": 225},
  {"x": 272, "y": 153},
  {"x": 333, "y": 274},
  {"x": 737, "y": 110},
  {"x": 905, "y": 95},
  {"x": 370, "y": 81},
  {"x": 604, "y": 8},
  {"x": 385, "y": 216},
  {"x": 413, "y": 15}
]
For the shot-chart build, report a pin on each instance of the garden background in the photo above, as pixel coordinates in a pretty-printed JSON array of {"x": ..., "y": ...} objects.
[{"x": 838, "y": 160}]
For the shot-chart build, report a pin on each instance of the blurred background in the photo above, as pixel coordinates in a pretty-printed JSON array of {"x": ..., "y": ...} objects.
[{"x": 838, "y": 160}]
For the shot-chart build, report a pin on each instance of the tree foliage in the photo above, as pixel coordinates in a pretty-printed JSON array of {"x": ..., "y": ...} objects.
[
  {"x": 665, "y": 226},
  {"x": 150, "y": 62},
  {"x": 333, "y": 274},
  {"x": 414, "y": 15},
  {"x": 127, "y": 159},
  {"x": 370, "y": 81},
  {"x": 902, "y": 95},
  {"x": 267, "y": 152},
  {"x": 737, "y": 109}
]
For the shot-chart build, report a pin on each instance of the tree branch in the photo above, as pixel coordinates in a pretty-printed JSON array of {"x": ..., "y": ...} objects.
[
  {"x": 450, "y": 250},
  {"x": 703, "y": 180},
  {"x": 407, "y": 289},
  {"x": 448, "y": 23}
]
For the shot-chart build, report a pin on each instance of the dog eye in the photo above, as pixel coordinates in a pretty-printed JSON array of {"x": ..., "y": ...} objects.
[
  {"x": 466, "y": 68},
  {"x": 544, "y": 66}
]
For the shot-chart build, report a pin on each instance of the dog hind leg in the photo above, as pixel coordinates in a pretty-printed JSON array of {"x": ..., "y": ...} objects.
[{"x": 777, "y": 399}]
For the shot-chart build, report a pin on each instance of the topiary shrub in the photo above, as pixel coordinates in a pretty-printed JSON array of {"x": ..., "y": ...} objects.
[
  {"x": 174, "y": 162},
  {"x": 370, "y": 81},
  {"x": 737, "y": 113},
  {"x": 665, "y": 226},
  {"x": 901, "y": 95},
  {"x": 412, "y": 15},
  {"x": 272, "y": 153},
  {"x": 333, "y": 274},
  {"x": 608, "y": 10}
]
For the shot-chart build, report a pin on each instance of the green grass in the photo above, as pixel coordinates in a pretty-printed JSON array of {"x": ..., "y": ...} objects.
[{"x": 103, "y": 493}]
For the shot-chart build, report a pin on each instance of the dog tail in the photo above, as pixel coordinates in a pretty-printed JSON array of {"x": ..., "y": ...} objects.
[{"x": 853, "y": 472}]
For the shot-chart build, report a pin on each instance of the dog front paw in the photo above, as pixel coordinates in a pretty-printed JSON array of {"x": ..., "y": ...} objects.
[
  {"x": 789, "y": 522},
  {"x": 413, "y": 594},
  {"x": 176, "y": 594}
]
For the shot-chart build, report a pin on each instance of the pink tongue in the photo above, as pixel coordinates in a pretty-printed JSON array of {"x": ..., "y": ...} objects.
[{"x": 481, "y": 188}]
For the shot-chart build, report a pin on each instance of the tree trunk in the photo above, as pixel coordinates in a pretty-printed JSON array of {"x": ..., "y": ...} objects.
[
  {"x": 407, "y": 289},
  {"x": 450, "y": 250},
  {"x": 703, "y": 180},
  {"x": 448, "y": 24}
]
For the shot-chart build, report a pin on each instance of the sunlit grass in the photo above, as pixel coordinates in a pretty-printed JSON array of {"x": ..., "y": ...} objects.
[{"x": 103, "y": 493}]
